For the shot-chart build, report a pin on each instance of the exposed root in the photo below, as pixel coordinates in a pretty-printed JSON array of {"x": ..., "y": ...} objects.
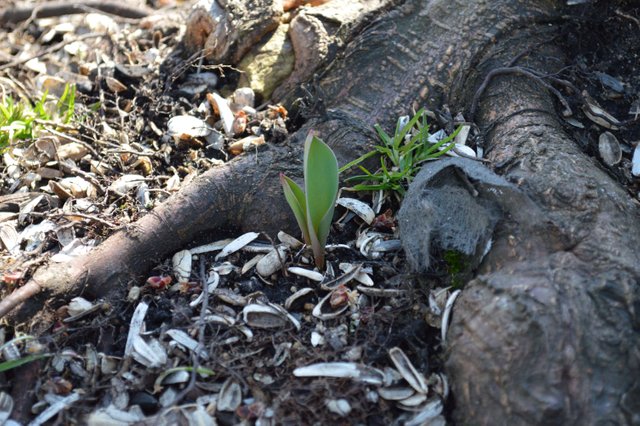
[
  {"x": 19, "y": 296},
  {"x": 61, "y": 8}
]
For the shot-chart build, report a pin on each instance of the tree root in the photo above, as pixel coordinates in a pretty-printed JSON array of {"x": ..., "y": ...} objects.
[
  {"x": 531, "y": 328},
  {"x": 61, "y": 8},
  {"x": 225, "y": 196}
]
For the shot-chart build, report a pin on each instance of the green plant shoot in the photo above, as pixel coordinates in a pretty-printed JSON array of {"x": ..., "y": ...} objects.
[
  {"x": 401, "y": 155},
  {"x": 313, "y": 207},
  {"x": 21, "y": 120}
]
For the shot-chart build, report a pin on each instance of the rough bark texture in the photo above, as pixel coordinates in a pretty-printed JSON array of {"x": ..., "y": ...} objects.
[
  {"x": 15, "y": 15},
  {"x": 226, "y": 29},
  {"x": 549, "y": 330},
  {"x": 318, "y": 33},
  {"x": 547, "y": 333}
]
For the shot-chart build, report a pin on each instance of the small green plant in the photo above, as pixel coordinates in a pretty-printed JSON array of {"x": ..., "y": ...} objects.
[
  {"x": 313, "y": 207},
  {"x": 400, "y": 156},
  {"x": 9, "y": 365},
  {"x": 14, "y": 363},
  {"x": 20, "y": 120}
]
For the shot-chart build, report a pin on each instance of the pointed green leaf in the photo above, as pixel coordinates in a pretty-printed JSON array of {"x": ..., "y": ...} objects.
[
  {"x": 409, "y": 125},
  {"x": 383, "y": 135},
  {"x": 8, "y": 365},
  {"x": 434, "y": 152},
  {"x": 295, "y": 197},
  {"x": 321, "y": 189},
  {"x": 357, "y": 161}
]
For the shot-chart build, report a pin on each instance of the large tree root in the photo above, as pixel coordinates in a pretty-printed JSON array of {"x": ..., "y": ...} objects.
[
  {"x": 547, "y": 333},
  {"x": 48, "y": 10},
  {"x": 222, "y": 197}
]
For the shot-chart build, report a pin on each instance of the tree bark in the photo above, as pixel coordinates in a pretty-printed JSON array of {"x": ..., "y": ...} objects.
[{"x": 547, "y": 332}]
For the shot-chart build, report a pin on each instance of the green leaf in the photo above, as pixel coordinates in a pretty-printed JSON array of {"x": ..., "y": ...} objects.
[
  {"x": 8, "y": 365},
  {"x": 357, "y": 161},
  {"x": 5, "y": 109},
  {"x": 365, "y": 177},
  {"x": 295, "y": 197},
  {"x": 364, "y": 187},
  {"x": 385, "y": 137},
  {"x": 39, "y": 108},
  {"x": 66, "y": 103},
  {"x": 434, "y": 152},
  {"x": 410, "y": 124},
  {"x": 367, "y": 172},
  {"x": 321, "y": 189}
]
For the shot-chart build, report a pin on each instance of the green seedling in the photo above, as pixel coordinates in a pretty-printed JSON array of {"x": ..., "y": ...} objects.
[
  {"x": 14, "y": 363},
  {"x": 9, "y": 365},
  {"x": 20, "y": 120},
  {"x": 313, "y": 207},
  {"x": 400, "y": 156}
]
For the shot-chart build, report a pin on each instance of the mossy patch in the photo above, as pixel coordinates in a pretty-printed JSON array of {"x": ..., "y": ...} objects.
[{"x": 457, "y": 265}]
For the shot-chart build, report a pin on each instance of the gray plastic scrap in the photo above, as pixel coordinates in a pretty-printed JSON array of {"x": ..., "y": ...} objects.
[{"x": 455, "y": 204}]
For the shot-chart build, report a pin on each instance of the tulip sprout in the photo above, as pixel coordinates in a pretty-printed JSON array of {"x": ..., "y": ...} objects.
[{"x": 313, "y": 207}]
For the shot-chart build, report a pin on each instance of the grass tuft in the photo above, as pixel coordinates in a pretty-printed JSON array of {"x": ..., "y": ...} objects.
[
  {"x": 401, "y": 156},
  {"x": 20, "y": 119}
]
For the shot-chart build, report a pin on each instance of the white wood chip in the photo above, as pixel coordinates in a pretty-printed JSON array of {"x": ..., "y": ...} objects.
[
  {"x": 186, "y": 126},
  {"x": 182, "y": 265},
  {"x": 218, "y": 245},
  {"x": 55, "y": 408},
  {"x": 185, "y": 340},
  {"x": 312, "y": 275},
  {"x": 358, "y": 207},
  {"x": 225, "y": 113},
  {"x": 346, "y": 370},
  {"x": 635, "y": 161},
  {"x": 237, "y": 244},
  {"x": 151, "y": 354},
  {"x": 136, "y": 326},
  {"x": 447, "y": 313}
]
